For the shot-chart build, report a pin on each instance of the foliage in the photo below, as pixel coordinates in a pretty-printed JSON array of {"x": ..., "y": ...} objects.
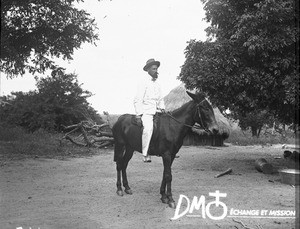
[
  {"x": 17, "y": 143},
  {"x": 255, "y": 120},
  {"x": 248, "y": 64},
  {"x": 35, "y": 31},
  {"x": 58, "y": 101},
  {"x": 245, "y": 138}
]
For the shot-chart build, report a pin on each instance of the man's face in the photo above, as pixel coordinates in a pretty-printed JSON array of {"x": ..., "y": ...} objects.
[{"x": 152, "y": 71}]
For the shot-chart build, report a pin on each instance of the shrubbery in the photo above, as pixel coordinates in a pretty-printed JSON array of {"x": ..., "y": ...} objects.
[
  {"x": 244, "y": 138},
  {"x": 58, "y": 101}
]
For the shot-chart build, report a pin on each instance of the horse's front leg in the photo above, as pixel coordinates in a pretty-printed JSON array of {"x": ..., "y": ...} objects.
[
  {"x": 164, "y": 197},
  {"x": 166, "y": 184}
]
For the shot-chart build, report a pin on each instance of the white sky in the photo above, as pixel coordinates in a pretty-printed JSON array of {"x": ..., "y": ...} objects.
[{"x": 131, "y": 32}]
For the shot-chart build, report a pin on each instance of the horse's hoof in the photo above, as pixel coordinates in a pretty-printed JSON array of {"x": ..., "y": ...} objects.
[
  {"x": 172, "y": 205},
  {"x": 128, "y": 191},
  {"x": 120, "y": 193},
  {"x": 165, "y": 200}
]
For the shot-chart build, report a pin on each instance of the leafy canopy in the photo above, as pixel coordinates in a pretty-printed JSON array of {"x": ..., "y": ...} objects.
[
  {"x": 33, "y": 32},
  {"x": 248, "y": 63},
  {"x": 58, "y": 101}
]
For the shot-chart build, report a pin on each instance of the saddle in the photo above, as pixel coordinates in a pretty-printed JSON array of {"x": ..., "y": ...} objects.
[
  {"x": 154, "y": 143},
  {"x": 138, "y": 122}
]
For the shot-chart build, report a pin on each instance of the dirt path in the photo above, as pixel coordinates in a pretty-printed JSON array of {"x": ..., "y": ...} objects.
[{"x": 81, "y": 192}]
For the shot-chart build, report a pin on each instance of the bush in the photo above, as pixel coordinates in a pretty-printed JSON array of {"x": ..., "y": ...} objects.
[
  {"x": 239, "y": 137},
  {"x": 10, "y": 133},
  {"x": 58, "y": 101},
  {"x": 17, "y": 142}
]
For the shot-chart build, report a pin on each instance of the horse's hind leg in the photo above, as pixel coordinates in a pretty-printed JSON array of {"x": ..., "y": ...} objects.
[
  {"x": 118, "y": 158},
  {"x": 126, "y": 159}
]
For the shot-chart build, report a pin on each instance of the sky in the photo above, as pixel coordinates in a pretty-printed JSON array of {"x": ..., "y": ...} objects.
[{"x": 130, "y": 32}]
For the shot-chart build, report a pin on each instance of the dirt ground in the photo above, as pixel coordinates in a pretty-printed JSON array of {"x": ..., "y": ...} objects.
[{"x": 37, "y": 192}]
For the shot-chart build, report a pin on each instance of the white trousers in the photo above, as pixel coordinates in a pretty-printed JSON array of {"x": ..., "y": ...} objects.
[{"x": 147, "y": 120}]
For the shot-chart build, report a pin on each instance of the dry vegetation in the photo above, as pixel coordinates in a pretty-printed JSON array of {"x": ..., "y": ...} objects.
[
  {"x": 16, "y": 142},
  {"x": 244, "y": 138}
]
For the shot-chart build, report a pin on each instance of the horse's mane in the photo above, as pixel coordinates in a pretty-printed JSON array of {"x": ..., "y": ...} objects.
[{"x": 182, "y": 108}]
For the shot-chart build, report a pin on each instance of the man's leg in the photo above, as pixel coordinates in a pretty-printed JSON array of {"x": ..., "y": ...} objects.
[{"x": 147, "y": 134}]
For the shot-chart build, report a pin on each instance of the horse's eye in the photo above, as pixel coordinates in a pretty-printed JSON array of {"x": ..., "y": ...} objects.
[{"x": 205, "y": 108}]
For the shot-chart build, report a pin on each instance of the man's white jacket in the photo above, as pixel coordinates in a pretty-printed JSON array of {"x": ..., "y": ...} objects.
[{"x": 148, "y": 99}]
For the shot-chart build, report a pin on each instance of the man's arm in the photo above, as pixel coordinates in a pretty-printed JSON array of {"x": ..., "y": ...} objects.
[
  {"x": 138, "y": 99},
  {"x": 161, "y": 103}
]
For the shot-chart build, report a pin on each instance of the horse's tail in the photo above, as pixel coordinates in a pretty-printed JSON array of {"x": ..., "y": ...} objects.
[
  {"x": 119, "y": 147},
  {"x": 118, "y": 151}
]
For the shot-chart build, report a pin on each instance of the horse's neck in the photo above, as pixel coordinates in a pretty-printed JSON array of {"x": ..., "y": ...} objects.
[{"x": 185, "y": 114}]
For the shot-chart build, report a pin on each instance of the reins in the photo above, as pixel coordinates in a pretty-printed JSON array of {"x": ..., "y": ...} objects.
[
  {"x": 178, "y": 120},
  {"x": 199, "y": 114}
]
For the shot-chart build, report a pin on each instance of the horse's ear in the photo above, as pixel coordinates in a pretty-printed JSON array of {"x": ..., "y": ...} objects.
[
  {"x": 198, "y": 97},
  {"x": 201, "y": 96},
  {"x": 193, "y": 96}
]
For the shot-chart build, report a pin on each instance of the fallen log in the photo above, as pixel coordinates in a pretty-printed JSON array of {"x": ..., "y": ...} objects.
[
  {"x": 76, "y": 143},
  {"x": 104, "y": 144},
  {"x": 102, "y": 139},
  {"x": 88, "y": 142},
  {"x": 106, "y": 134},
  {"x": 90, "y": 134}
]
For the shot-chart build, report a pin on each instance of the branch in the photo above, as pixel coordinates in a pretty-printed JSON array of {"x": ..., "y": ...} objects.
[
  {"x": 70, "y": 127},
  {"x": 106, "y": 134},
  {"x": 85, "y": 136},
  {"x": 102, "y": 139},
  {"x": 224, "y": 173},
  {"x": 240, "y": 222},
  {"x": 105, "y": 144},
  {"x": 76, "y": 143},
  {"x": 87, "y": 128}
]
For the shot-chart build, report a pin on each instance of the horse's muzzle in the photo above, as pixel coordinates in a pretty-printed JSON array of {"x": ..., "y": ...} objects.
[{"x": 214, "y": 129}]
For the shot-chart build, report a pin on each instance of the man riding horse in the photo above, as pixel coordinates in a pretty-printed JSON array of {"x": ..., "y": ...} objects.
[
  {"x": 167, "y": 137},
  {"x": 147, "y": 102}
]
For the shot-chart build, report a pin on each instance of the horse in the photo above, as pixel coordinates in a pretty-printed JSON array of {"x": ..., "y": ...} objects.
[{"x": 166, "y": 140}]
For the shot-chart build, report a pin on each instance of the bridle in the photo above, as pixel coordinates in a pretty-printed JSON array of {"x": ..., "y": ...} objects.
[
  {"x": 199, "y": 115},
  {"x": 200, "y": 118}
]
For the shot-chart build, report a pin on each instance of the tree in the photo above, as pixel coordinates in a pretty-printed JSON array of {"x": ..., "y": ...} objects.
[
  {"x": 33, "y": 32},
  {"x": 248, "y": 64},
  {"x": 58, "y": 101},
  {"x": 255, "y": 120}
]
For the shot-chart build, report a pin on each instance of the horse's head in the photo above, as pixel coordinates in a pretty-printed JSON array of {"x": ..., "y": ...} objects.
[{"x": 204, "y": 114}]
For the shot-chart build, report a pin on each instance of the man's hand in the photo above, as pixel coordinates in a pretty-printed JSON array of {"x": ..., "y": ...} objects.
[
  {"x": 139, "y": 120},
  {"x": 163, "y": 111}
]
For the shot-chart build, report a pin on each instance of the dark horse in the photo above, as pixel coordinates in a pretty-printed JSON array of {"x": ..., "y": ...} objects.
[{"x": 166, "y": 141}]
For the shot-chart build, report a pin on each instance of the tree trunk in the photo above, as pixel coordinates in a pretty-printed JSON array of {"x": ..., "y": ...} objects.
[
  {"x": 259, "y": 131},
  {"x": 254, "y": 131}
]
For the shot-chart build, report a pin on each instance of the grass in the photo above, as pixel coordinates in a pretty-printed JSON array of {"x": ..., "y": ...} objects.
[
  {"x": 243, "y": 138},
  {"x": 17, "y": 143}
]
